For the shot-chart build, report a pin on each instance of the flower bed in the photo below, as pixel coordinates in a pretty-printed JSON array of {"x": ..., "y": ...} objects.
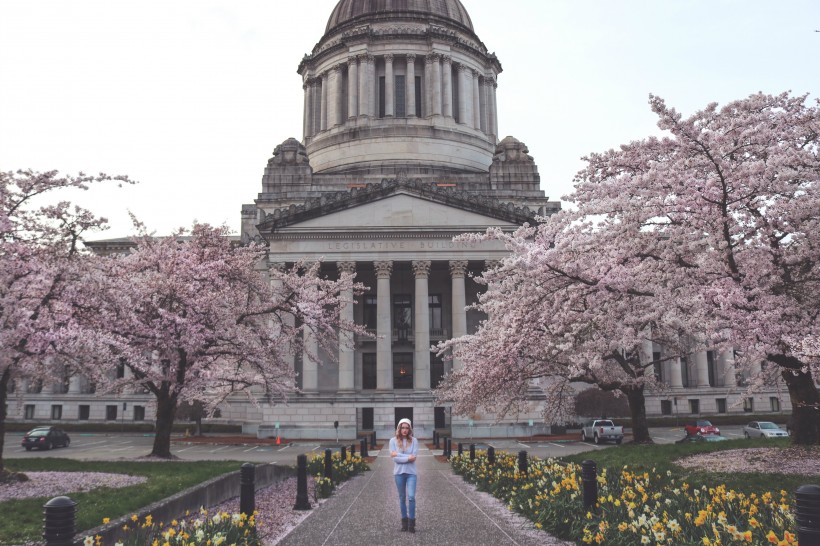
[
  {"x": 633, "y": 508},
  {"x": 343, "y": 470}
]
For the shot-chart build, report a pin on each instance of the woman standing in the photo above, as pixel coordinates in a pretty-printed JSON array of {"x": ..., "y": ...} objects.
[{"x": 403, "y": 449}]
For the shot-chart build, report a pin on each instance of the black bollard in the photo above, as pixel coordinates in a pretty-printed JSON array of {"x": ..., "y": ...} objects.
[
  {"x": 58, "y": 523},
  {"x": 435, "y": 439},
  {"x": 522, "y": 462},
  {"x": 472, "y": 452},
  {"x": 589, "y": 477},
  {"x": 352, "y": 450},
  {"x": 329, "y": 464},
  {"x": 491, "y": 455},
  {"x": 460, "y": 449},
  {"x": 807, "y": 514},
  {"x": 373, "y": 440},
  {"x": 449, "y": 443},
  {"x": 344, "y": 453},
  {"x": 302, "y": 502},
  {"x": 247, "y": 489}
]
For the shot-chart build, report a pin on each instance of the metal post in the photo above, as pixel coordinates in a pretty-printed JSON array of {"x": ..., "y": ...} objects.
[
  {"x": 247, "y": 489},
  {"x": 344, "y": 453},
  {"x": 302, "y": 502},
  {"x": 329, "y": 464},
  {"x": 522, "y": 462},
  {"x": 373, "y": 440},
  {"x": 460, "y": 449},
  {"x": 447, "y": 447},
  {"x": 352, "y": 450},
  {"x": 589, "y": 477},
  {"x": 58, "y": 523},
  {"x": 435, "y": 439},
  {"x": 472, "y": 452},
  {"x": 491, "y": 455},
  {"x": 807, "y": 514},
  {"x": 363, "y": 447}
]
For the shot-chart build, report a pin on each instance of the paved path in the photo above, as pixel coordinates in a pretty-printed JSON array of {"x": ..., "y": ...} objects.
[{"x": 448, "y": 512}]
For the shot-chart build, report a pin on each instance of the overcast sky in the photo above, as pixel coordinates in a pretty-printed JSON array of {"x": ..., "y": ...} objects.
[{"x": 191, "y": 97}]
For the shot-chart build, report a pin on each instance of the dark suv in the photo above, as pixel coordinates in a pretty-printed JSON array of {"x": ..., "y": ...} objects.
[{"x": 45, "y": 438}]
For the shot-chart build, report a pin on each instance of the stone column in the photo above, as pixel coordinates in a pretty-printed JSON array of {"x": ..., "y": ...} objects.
[
  {"x": 410, "y": 81},
  {"x": 476, "y": 102},
  {"x": 339, "y": 93},
  {"x": 346, "y": 347},
  {"x": 389, "y": 85},
  {"x": 384, "y": 328},
  {"x": 421, "y": 327},
  {"x": 364, "y": 79},
  {"x": 702, "y": 367},
  {"x": 458, "y": 271},
  {"x": 287, "y": 319},
  {"x": 436, "y": 86},
  {"x": 726, "y": 364},
  {"x": 675, "y": 374},
  {"x": 372, "y": 88},
  {"x": 352, "y": 88},
  {"x": 332, "y": 97},
  {"x": 75, "y": 384},
  {"x": 447, "y": 87},
  {"x": 310, "y": 362},
  {"x": 495, "y": 108},
  {"x": 465, "y": 95},
  {"x": 323, "y": 115},
  {"x": 316, "y": 97},
  {"x": 485, "y": 110},
  {"x": 306, "y": 112}
]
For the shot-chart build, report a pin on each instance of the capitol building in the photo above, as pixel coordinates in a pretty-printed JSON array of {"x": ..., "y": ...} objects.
[{"x": 400, "y": 152}]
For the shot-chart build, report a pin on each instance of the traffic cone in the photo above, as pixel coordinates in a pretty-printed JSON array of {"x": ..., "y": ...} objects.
[{"x": 278, "y": 440}]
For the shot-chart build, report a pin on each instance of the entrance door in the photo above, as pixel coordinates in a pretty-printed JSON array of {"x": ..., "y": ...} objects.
[
  {"x": 403, "y": 413},
  {"x": 438, "y": 416}
]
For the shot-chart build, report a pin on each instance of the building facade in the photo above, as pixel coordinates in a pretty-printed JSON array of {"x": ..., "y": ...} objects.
[{"x": 400, "y": 153}]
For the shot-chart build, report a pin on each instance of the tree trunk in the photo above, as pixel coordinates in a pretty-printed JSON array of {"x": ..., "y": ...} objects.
[
  {"x": 805, "y": 422},
  {"x": 166, "y": 412},
  {"x": 4, "y": 383},
  {"x": 637, "y": 409}
]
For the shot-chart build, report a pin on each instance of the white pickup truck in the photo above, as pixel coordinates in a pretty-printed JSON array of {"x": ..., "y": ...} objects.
[{"x": 602, "y": 430}]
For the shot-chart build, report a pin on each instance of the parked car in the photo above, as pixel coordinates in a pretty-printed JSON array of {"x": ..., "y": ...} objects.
[
  {"x": 700, "y": 427},
  {"x": 45, "y": 438},
  {"x": 602, "y": 430},
  {"x": 763, "y": 429},
  {"x": 702, "y": 438}
]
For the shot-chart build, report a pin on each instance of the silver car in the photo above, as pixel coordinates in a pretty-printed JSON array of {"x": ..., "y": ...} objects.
[{"x": 763, "y": 429}]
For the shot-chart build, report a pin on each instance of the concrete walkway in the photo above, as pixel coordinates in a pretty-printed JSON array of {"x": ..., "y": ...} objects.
[{"x": 448, "y": 512}]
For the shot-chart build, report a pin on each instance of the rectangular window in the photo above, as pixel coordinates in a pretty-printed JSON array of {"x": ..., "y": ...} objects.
[
  {"x": 369, "y": 371},
  {"x": 434, "y": 303},
  {"x": 399, "y": 94},
  {"x": 367, "y": 418},
  {"x": 436, "y": 370},
  {"x": 370, "y": 308},
  {"x": 657, "y": 365},
  {"x": 684, "y": 371},
  {"x": 748, "y": 404},
  {"x": 694, "y": 406},
  {"x": 403, "y": 370},
  {"x": 721, "y": 405},
  {"x": 403, "y": 315},
  {"x": 85, "y": 412},
  {"x": 711, "y": 366},
  {"x": 381, "y": 96},
  {"x": 57, "y": 411},
  {"x": 418, "y": 96},
  {"x": 29, "y": 411},
  {"x": 139, "y": 413},
  {"x": 111, "y": 413},
  {"x": 775, "y": 403},
  {"x": 666, "y": 407}
]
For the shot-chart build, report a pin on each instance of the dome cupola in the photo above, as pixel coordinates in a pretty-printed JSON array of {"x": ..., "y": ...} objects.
[{"x": 349, "y": 12}]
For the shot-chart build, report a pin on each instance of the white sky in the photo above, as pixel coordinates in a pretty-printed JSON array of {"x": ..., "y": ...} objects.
[{"x": 190, "y": 97}]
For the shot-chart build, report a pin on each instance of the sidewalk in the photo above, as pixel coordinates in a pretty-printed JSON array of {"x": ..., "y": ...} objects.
[{"x": 448, "y": 512}]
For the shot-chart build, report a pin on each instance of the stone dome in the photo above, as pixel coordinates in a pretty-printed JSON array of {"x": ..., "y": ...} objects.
[{"x": 351, "y": 11}]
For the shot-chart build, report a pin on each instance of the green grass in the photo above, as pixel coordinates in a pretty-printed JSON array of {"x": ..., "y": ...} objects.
[
  {"x": 661, "y": 457},
  {"x": 22, "y": 520}
]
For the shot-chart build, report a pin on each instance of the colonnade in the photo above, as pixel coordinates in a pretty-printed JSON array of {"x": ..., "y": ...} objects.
[
  {"x": 328, "y": 102},
  {"x": 384, "y": 327}
]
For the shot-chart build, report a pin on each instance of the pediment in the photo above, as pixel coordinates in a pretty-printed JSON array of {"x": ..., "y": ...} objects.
[{"x": 401, "y": 211}]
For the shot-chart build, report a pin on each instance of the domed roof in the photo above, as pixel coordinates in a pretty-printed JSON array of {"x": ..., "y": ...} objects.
[{"x": 352, "y": 10}]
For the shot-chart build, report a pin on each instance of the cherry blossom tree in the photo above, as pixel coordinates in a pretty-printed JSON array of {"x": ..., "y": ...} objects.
[
  {"x": 42, "y": 258},
  {"x": 192, "y": 320},
  {"x": 706, "y": 238}
]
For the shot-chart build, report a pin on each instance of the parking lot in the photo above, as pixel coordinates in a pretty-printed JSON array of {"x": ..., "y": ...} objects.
[{"x": 90, "y": 446}]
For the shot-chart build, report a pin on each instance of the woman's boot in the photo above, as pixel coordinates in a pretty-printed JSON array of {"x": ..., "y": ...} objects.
[
  {"x": 412, "y": 526},
  {"x": 403, "y": 524}
]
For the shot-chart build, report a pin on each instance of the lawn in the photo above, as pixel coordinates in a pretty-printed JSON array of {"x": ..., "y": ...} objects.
[{"x": 22, "y": 519}]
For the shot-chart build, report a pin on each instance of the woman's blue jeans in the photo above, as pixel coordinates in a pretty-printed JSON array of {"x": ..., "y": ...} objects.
[{"x": 406, "y": 484}]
